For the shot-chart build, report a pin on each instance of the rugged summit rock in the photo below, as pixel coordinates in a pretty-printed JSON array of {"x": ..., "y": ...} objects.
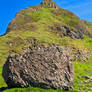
[
  {"x": 49, "y": 4},
  {"x": 40, "y": 67}
]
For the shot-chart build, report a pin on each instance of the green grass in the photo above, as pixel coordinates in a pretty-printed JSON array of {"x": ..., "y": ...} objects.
[
  {"x": 2, "y": 83},
  {"x": 32, "y": 89},
  {"x": 82, "y": 69}
]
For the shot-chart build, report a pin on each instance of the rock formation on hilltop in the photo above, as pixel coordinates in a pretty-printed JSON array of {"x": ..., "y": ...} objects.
[{"x": 49, "y": 4}]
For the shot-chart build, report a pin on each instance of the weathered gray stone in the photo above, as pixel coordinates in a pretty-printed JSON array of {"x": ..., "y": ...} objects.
[{"x": 40, "y": 67}]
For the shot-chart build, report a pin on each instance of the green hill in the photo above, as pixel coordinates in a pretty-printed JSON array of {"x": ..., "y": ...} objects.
[{"x": 48, "y": 24}]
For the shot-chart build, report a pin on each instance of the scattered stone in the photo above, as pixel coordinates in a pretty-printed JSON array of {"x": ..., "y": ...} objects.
[{"x": 87, "y": 77}]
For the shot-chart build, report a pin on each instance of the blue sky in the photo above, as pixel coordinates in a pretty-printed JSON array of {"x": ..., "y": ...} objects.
[{"x": 9, "y": 8}]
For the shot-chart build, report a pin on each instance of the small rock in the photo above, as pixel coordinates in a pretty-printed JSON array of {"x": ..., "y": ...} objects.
[{"x": 87, "y": 77}]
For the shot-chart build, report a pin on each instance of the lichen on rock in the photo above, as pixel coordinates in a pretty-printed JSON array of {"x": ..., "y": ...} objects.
[{"x": 45, "y": 67}]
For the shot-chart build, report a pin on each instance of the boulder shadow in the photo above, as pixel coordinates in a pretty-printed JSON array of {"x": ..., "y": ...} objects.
[{"x": 3, "y": 89}]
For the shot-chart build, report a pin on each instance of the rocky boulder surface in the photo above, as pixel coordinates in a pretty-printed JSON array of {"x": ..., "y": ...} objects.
[{"x": 45, "y": 67}]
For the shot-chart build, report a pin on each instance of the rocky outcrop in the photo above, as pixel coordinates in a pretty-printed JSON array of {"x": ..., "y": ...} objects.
[
  {"x": 71, "y": 33},
  {"x": 65, "y": 31},
  {"x": 49, "y": 4},
  {"x": 81, "y": 55},
  {"x": 45, "y": 67}
]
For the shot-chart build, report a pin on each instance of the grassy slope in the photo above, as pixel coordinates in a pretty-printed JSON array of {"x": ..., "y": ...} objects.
[{"x": 41, "y": 31}]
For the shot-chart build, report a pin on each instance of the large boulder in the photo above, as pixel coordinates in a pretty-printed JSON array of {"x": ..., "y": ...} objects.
[{"x": 45, "y": 67}]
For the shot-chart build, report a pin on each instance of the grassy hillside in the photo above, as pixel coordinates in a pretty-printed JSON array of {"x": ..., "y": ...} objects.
[{"x": 40, "y": 24}]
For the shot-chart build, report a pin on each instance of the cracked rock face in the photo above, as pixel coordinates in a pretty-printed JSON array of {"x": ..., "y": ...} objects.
[
  {"x": 40, "y": 67},
  {"x": 49, "y": 4}
]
